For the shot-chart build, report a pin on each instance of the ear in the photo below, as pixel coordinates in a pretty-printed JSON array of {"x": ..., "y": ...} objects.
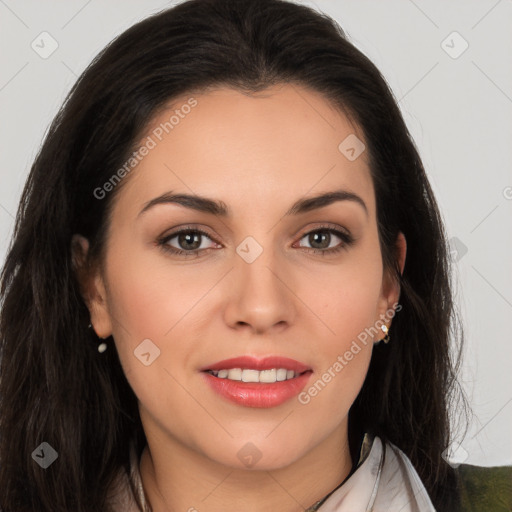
[
  {"x": 390, "y": 293},
  {"x": 401, "y": 251},
  {"x": 92, "y": 287}
]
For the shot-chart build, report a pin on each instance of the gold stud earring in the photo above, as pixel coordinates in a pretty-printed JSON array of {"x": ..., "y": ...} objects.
[{"x": 385, "y": 330}]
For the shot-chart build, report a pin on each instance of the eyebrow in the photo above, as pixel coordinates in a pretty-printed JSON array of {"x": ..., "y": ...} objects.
[{"x": 207, "y": 205}]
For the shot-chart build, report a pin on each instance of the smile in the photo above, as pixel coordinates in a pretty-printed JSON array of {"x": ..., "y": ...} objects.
[
  {"x": 249, "y": 375},
  {"x": 253, "y": 382}
]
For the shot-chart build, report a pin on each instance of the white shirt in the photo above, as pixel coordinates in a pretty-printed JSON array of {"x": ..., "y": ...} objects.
[{"x": 384, "y": 481}]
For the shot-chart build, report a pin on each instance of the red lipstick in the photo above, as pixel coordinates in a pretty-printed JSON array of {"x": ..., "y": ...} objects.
[{"x": 257, "y": 394}]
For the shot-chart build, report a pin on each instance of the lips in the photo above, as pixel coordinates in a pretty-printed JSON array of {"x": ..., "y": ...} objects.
[
  {"x": 257, "y": 394},
  {"x": 267, "y": 363}
]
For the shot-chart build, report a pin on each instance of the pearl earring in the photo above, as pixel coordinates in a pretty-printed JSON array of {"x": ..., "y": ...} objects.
[{"x": 102, "y": 346}]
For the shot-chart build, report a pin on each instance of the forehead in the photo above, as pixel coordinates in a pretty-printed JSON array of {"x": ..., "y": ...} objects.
[{"x": 257, "y": 149}]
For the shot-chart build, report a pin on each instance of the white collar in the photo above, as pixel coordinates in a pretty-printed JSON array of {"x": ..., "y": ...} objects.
[{"x": 386, "y": 481}]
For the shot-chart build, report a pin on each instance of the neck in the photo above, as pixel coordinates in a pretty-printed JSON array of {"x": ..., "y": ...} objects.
[{"x": 177, "y": 478}]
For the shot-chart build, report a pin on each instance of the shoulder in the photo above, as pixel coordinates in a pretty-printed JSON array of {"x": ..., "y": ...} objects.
[
  {"x": 482, "y": 489},
  {"x": 485, "y": 488}
]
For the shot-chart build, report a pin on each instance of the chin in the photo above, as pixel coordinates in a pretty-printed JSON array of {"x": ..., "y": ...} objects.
[{"x": 255, "y": 456}]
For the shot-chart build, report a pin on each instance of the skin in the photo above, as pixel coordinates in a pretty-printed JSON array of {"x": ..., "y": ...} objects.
[{"x": 258, "y": 154}]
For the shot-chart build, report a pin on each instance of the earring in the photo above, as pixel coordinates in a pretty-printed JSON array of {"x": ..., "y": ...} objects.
[
  {"x": 385, "y": 330},
  {"x": 102, "y": 346}
]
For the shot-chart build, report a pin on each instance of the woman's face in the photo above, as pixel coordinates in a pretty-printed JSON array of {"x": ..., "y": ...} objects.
[{"x": 253, "y": 285}]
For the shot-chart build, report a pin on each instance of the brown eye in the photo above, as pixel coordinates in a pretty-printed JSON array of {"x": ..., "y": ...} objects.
[
  {"x": 320, "y": 240},
  {"x": 189, "y": 242}
]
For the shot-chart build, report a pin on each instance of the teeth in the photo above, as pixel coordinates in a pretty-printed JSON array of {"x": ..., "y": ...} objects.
[
  {"x": 281, "y": 374},
  {"x": 248, "y": 375},
  {"x": 235, "y": 374},
  {"x": 267, "y": 375}
]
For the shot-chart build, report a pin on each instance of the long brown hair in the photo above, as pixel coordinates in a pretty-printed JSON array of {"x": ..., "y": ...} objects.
[{"x": 54, "y": 385}]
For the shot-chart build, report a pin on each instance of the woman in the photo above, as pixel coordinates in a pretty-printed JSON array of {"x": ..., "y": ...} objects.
[{"x": 294, "y": 356}]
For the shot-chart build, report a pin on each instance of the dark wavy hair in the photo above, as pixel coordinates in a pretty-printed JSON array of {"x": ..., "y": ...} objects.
[{"x": 56, "y": 387}]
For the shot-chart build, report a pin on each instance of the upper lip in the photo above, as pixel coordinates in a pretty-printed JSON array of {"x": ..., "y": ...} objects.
[{"x": 266, "y": 363}]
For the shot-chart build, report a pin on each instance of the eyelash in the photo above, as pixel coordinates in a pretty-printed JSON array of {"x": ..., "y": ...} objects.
[{"x": 347, "y": 240}]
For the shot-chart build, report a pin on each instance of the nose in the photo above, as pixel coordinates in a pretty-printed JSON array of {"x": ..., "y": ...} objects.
[{"x": 261, "y": 297}]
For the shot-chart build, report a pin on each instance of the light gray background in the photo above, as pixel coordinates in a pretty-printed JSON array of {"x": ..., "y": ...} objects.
[{"x": 459, "y": 111}]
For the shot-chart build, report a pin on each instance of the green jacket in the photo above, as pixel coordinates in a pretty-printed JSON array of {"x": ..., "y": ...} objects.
[{"x": 485, "y": 489}]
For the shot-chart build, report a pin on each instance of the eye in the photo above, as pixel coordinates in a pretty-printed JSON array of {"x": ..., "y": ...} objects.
[
  {"x": 188, "y": 240},
  {"x": 321, "y": 239}
]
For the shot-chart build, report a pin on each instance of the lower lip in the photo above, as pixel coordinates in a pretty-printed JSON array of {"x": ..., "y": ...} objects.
[{"x": 257, "y": 394}]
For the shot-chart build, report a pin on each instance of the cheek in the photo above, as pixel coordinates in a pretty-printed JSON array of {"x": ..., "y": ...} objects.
[
  {"x": 150, "y": 295},
  {"x": 345, "y": 299},
  {"x": 343, "y": 353},
  {"x": 150, "y": 299}
]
